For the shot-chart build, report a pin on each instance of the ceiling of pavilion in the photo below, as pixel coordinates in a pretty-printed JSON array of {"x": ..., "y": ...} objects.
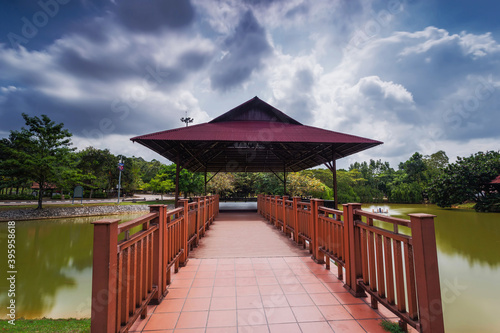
[{"x": 252, "y": 137}]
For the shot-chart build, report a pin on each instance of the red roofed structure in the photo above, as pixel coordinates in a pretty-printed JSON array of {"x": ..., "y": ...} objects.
[{"x": 253, "y": 137}]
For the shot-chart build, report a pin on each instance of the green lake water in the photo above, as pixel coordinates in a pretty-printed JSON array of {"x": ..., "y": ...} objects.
[{"x": 54, "y": 266}]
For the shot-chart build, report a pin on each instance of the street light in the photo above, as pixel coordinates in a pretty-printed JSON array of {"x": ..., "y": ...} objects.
[
  {"x": 121, "y": 166},
  {"x": 187, "y": 120}
]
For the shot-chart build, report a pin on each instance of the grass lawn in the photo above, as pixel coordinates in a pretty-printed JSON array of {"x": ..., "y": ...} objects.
[{"x": 46, "y": 325}]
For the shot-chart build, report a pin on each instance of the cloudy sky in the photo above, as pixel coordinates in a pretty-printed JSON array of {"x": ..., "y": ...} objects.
[{"x": 417, "y": 75}]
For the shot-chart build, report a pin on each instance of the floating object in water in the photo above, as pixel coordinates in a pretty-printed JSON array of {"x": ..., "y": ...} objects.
[{"x": 380, "y": 210}]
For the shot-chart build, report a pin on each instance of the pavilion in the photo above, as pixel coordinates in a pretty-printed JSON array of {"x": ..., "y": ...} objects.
[{"x": 253, "y": 137}]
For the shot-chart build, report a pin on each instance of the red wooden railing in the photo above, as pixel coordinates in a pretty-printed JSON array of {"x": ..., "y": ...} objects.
[
  {"x": 396, "y": 270},
  {"x": 130, "y": 273}
]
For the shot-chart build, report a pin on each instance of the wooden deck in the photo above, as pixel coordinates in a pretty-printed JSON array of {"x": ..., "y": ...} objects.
[{"x": 245, "y": 276}]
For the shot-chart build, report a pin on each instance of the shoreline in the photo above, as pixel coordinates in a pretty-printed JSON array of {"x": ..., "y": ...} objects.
[{"x": 27, "y": 214}]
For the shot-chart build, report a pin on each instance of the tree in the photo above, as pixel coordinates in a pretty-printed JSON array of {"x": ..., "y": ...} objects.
[
  {"x": 98, "y": 168},
  {"x": 222, "y": 184},
  {"x": 41, "y": 151},
  {"x": 161, "y": 183},
  {"x": 466, "y": 180}
]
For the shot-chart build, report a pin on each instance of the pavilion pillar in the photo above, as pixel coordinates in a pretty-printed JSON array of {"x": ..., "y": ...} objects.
[
  {"x": 177, "y": 171},
  {"x": 205, "y": 182},
  {"x": 334, "y": 172}
]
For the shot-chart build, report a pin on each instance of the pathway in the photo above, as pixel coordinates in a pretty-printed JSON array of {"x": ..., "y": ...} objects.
[{"x": 247, "y": 277}]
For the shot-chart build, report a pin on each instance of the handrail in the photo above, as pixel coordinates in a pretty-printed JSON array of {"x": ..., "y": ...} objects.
[
  {"x": 134, "y": 272},
  {"x": 398, "y": 271}
]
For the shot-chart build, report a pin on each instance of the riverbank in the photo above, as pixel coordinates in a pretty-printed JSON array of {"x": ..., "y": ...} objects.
[{"x": 58, "y": 212}]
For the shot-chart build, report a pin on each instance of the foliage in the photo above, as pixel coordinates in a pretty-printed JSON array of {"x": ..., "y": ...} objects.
[
  {"x": 46, "y": 325},
  {"x": 222, "y": 184},
  {"x": 467, "y": 180},
  {"x": 391, "y": 327},
  {"x": 41, "y": 152},
  {"x": 304, "y": 186},
  {"x": 161, "y": 183}
]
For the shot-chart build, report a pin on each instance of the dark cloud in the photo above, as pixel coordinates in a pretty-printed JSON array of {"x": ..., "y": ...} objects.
[
  {"x": 246, "y": 48},
  {"x": 153, "y": 15}
]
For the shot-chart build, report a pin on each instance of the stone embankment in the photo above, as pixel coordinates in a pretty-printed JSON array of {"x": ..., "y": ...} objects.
[{"x": 46, "y": 213}]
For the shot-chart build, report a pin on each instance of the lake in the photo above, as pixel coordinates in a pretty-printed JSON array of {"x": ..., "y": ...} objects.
[{"x": 54, "y": 265}]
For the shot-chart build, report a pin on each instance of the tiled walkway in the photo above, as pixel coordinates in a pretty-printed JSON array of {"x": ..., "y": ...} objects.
[{"x": 258, "y": 294}]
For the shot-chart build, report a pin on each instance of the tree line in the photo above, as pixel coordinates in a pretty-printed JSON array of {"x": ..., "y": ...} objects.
[{"x": 42, "y": 152}]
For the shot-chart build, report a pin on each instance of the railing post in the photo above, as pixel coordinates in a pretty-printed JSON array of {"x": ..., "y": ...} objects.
[
  {"x": 104, "y": 270},
  {"x": 285, "y": 230},
  {"x": 352, "y": 250},
  {"x": 185, "y": 232},
  {"x": 200, "y": 220},
  {"x": 158, "y": 251},
  {"x": 276, "y": 198},
  {"x": 315, "y": 203},
  {"x": 427, "y": 273},
  {"x": 295, "y": 214}
]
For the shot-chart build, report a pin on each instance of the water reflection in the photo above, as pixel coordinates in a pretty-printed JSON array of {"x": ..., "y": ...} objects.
[{"x": 46, "y": 250}]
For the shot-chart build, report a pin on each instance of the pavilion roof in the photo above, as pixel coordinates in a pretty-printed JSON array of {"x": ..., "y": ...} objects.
[{"x": 253, "y": 137}]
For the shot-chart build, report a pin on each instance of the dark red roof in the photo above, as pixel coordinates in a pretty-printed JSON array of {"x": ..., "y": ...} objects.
[
  {"x": 496, "y": 180},
  {"x": 254, "y": 136}
]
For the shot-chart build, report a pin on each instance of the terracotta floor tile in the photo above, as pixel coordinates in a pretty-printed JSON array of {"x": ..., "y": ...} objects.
[
  {"x": 226, "y": 261},
  {"x": 266, "y": 280},
  {"x": 190, "y": 268},
  {"x": 197, "y": 304},
  {"x": 181, "y": 283},
  {"x": 177, "y": 293},
  {"x": 225, "y": 282},
  {"x": 224, "y": 292},
  {"x": 361, "y": 311},
  {"x": 372, "y": 325},
  {"x": 223, "y": 303},
  {"x": 263, "y": 266},
  {"x": 205, "y": 268},
  {"x": 242, "y": 261},
  {"x": 335, "y": 287},
  {"x": 222, "y": 330},
  {"x": 324, "y": 299},
  {"x": 346, "y": 326},
  {"x": 293, "y": 289},
  {"x": 328, "y": 278},
  {"x": 284, "y": 272},
  {"x": 299, "y": 300},
  {"x": 284, "y": 328},
  {"x": 274, "y": 301},
  {"x": 170, "y": 305},
  {"x": 264, "y": 272},
  {"x": 222, "y": 318},
  {"x": 292, "y": 260},
  {"x": 198, "y": 283},
  {"x": 248, "y": 302},
  {"x": 246, "y": 281},
  {"x": 160, "y": 321},
  {"x": 334, "y": 312},
  {"x": 308, "y": 279},
  {"x": 188, "y": 330},
  {"x": 259, "y": 261},
  {"x": 279, "y": 315},
  {"x": 200, "y": 292},
  {"x": 307, "y": 314},
  {"x": 225, "y": 274},
  {"x": 246, "y": 273},
  {"x": 247, "y": 290},
  {"x": 318, "y": 327},
  {"x": 205, "y": 275},
  {"x": 185, "y": 275},
  {"x": 315, "y": 288},
  {"x": 270, "y": 290},
  {"x": 253, "y": 329},
  {"x": 225, "y": 267},
  {"x": 287, "y": 280},
  {"x": 251, "y": 317},
  {"x": 195, "y": 319},
  {"x": 347, "y": 298}
]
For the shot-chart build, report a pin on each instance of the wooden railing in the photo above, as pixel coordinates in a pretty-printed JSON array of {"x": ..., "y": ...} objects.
[
  {"x": 397, "y": 270},
  {"x": 132, "y": 261}
]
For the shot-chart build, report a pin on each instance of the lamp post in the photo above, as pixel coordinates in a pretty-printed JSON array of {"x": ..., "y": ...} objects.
[{"x": 120, "y": 167}]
